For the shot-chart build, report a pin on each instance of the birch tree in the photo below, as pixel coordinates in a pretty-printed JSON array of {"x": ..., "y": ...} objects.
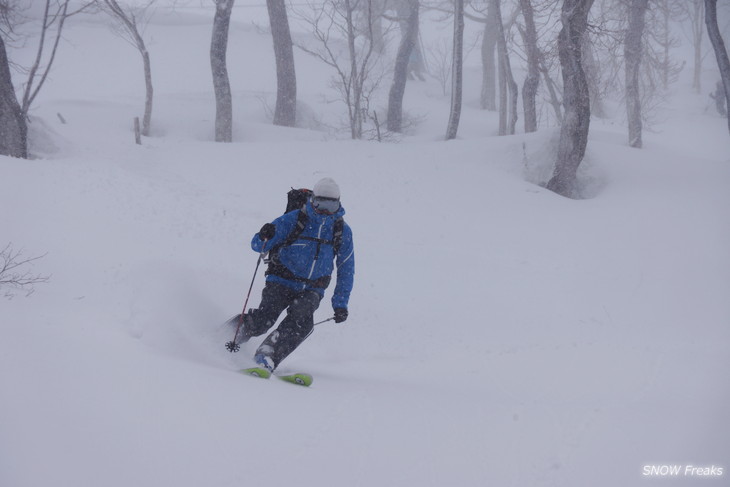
[
  {"x": 659, "y": 17},
  {"x": 354, "y": 66},
  {"x": 632, "y": 57},
  {"x": 457, "y": 71},
  {"x": 13, "y": 126},
  {"x": 592, "y": 70},
  {"x": 577, "y": 115},
  {"x": 488, "y": 99},
  {"x": 532, "y": 81},
  {"x": 285, "y": 113},
  {"x": 409, "y": 38},
  {"x": 723, "y": 62},
  {"x": 13, "y": 110},
  {"x": 130, "y": 23},
  {"x": 507, "y": 85},
  {"x": 36, "y": 73},
  {"x": 219, "y": 68},
  {"x": 695, "y": 11}
]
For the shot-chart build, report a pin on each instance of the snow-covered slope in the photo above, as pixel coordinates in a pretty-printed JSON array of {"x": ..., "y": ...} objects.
[{"x": 498, "y": 334}]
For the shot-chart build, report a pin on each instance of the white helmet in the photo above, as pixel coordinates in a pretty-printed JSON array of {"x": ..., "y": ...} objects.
[{"x": 327, "y": 188}]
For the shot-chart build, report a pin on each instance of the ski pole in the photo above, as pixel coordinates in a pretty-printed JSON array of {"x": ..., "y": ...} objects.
[
  {"x": 232, "y": 346},
  {"x": 324, "y": 321}
]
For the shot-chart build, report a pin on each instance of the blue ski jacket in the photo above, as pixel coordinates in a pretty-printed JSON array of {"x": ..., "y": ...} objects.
[{"x": 311, "y": 257}]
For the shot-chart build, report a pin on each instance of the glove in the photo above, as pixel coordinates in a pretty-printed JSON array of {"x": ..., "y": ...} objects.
[
  {"x": 267, "y": 232},
  {"x": 340, "y": 315}
]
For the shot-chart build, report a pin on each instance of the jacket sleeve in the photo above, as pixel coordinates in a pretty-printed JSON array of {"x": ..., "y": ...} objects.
[
  {"x": 284, "y": 226},
  {"x": 345, "y": 270}
]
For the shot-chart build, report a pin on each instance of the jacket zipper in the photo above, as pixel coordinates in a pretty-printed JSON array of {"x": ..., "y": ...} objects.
[{"x": 316, "y": 255}]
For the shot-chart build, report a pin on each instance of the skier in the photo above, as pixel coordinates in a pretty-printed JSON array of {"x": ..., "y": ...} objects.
[{"x": 303, "y": 246}]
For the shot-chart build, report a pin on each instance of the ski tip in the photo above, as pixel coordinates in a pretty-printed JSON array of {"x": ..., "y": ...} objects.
[
  {"x": 298, "y": 379},
  {"x": 257, "y": 372}
]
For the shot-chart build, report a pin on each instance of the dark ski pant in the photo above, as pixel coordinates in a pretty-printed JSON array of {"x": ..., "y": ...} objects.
[{"x": 293, "y": 329}]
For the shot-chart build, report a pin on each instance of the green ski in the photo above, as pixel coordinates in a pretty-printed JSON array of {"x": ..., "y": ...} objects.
[
  {"x": 257, "y": 372},
  {"x": 298, "y": 379}
]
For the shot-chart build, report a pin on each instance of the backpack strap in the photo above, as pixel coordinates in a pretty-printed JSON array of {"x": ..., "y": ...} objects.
[
  {"x": 299, "y": 227},
  {"x": 337, "y": 236},
  {"x": 302, "y": 219}
]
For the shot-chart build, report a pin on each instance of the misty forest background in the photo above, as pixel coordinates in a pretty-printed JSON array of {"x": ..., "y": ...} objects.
[{"x": 545, "y": 62}]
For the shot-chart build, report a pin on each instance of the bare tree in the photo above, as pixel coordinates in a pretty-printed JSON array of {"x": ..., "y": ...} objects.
[
  {"x": 695, "y": 11},
  {"x": 718, "y": 96},
  {"x": 219, "y": 68},
  {"x": 632, "y": 56},
  {"x": 49, "y": 18},
  {"x": 723, "y": 62},
  {"x": 507, "y": 86},
  {"x": 409, "y": 38},
  {"x": 55, "y": 13},
  {"x": 285, "y": 112},
  {"x": 553, "y": 89},
  {"x": 131, "y": 22},
  {"x": 488, "y": 98},
  {"x": 577, "y": 117},
  {"x": 457, "y": 71},
  {"x": 13, "y": 126},
  {"x": 625, "y": 61},
  {"x": 593, "y": 75},
  {"x": 376, "y": 32},
  {"x": 529, "y": 88},
  {"x": 355, "y": 78},
  {"x": 660, "y": 16},
  {"x": 439, "y": 55},
  {"x": 14, "y": 273},
  {"x": 14, "y": 112}
]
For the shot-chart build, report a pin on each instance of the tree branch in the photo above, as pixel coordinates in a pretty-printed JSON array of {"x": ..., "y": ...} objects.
[{"x": 13, "y": 276}]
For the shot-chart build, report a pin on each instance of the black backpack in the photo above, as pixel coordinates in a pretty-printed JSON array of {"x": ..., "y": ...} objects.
[{"x": 296, "y": 199}]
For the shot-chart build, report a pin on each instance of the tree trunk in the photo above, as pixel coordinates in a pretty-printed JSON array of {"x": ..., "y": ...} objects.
[
  {"x": 374, "y": 31},
  {"x": 221, "y": 83},
  {"x": 13, "y": 127},
  {"x": 552, "y": 90},
  {"x": 354, "y": 92},
  {"x": 723, "y": 62},
  {"x": 489, "y": 72},
  {"x": 696, "y": 14},
  {"x": 457, "y": 73},
  {"x": 130, "y": 25},
  {"x": 285, "y": 112},
  {"x": 593, "y": 76},
  {"x": 529, "y": 88},
  {"x": 665, "y": 44},
  {"x": 577, "y": 116},
  {"x": 400, "y": 74},
  {"x": 48, "y": 19},
  {"x": 507, "y": 83},
  {"x": 632, "y": 57},
  {"x": 147, "y": 119}
]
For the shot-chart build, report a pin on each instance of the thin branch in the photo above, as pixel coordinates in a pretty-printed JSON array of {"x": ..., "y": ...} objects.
[{"x": 11, "y": 275}]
